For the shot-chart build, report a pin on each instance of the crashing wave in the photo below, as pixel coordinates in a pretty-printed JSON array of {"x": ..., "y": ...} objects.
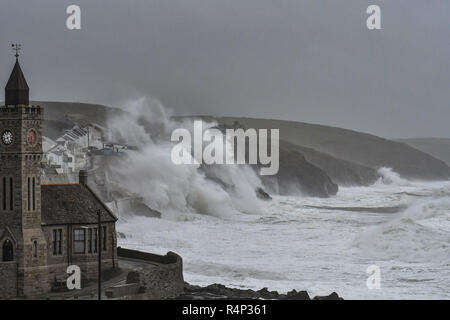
[
  {"x": 390, "y": 177},
  {"x": 422, "y": 230},
  {"x": 148, "y": 172}
]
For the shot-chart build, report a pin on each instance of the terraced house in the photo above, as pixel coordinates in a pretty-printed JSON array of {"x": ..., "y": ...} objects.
[{"x": 43, "y": 228}]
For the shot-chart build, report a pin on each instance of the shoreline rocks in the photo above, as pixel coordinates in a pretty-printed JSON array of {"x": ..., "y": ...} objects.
[{"x": 221, "y": 292}]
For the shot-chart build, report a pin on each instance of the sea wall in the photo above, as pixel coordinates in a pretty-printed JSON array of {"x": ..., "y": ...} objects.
[{"x": 163, "y": 279}]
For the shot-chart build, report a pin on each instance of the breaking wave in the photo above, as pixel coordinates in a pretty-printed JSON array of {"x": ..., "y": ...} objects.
[
  {"x": 318, "y": 244},
  {"x": 149, "y": 173},
  {"x": 422, "y": 230},
  {"x": 390, "y": 177}
]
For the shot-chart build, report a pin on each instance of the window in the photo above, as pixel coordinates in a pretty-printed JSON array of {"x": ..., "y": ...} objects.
[
  {"x": 11, "y": 194},
  {"x": 35, "y": 249},
  {"x": 28, "y": 194},
  {"x": 34, "y": 193},
  {"x": 8, "y": 250},
  {"x": 4, "y": 193},
  {"x": 90, "y": 241},
  {"x": 79, "y": 241},
  {"x": 57, "y": 241},
  {"x": 60, "y": 241},
  {"x": 95, "y": 240},
  {"x": 104, "y": 238}
]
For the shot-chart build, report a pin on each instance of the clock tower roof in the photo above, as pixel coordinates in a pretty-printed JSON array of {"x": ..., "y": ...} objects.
[{"x": 16, "y": 90}]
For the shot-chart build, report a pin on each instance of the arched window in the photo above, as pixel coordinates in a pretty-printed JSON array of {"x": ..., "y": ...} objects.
[{"x": 8, "y": 250}]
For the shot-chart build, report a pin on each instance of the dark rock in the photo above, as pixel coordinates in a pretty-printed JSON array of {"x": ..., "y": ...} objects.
[
  {"x": 294, "y": 295},
  {"x": 266, "y": 294},
  {"x": 218, "y": 289},
  {"x": 342, "y": 172},
  {"x": 220, "y": 292},
  {"x": 261, "y": 194},
  {"x": 297, "y": 175},
  {"x": 333, "y": 296},
  {"x": 191, "y": 288},
  {"x": 141, "y": 209}
]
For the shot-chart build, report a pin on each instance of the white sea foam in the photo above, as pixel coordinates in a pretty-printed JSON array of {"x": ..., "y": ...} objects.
[
  {"x": 175, "y": 190},
  {"x": 420, "y": 232},
  {"x": 390, "y": 177},
  {"x": 320, "y": 250},
  {"x": 290, "y": 242}
]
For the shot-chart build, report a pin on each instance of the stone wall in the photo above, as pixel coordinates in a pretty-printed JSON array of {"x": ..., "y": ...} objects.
[
  {"x": 21, "y": 217},
  {"x": 56, "y": 267},
  {"x": 88, "y": 261},
  {"x": 169, "y": 258},
  {"x": 8, "y": 283},
  {"x": 163, "y": 280}
]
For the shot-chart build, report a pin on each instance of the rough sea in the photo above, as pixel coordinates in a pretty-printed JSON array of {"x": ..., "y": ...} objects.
[{"x": 316, "y": 244}]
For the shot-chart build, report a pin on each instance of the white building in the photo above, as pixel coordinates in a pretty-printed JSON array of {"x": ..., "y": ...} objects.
[
  {"x": 79, "y": 138},
  {"x": 60, "y": 158}
]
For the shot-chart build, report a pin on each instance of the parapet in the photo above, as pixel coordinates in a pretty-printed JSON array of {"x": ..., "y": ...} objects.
[{"x": 162, "y": 279}]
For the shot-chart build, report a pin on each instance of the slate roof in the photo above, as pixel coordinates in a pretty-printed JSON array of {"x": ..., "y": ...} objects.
[
  {"x": 16, "y": 90},
  {"x": 72, "y": 204}
]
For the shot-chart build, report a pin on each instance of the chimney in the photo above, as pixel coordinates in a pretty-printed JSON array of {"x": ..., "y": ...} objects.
[{"x": 83, "y": 177}]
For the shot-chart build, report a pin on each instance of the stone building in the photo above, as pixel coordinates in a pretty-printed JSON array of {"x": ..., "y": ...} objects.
[{"x": 43, "y": 228}]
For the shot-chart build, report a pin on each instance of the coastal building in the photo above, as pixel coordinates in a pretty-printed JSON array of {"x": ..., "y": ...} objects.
[
  {"x": 60, "y": 158},
  {"x": 43, "y": 228},
  {"x": 69, "y": 153},
  {"x": 83, "y": 137}
]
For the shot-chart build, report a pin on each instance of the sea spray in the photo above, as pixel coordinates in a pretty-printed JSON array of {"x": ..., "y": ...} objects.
[
  {"x": 389, "y": 176},
  {"x": 295, "y": 246},
  {"x": 419, "y": 232},
  {"x": 149, "y": 173}
]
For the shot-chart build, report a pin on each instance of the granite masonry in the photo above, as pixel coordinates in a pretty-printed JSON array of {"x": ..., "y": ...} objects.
[{"x": 43, "y": 228}]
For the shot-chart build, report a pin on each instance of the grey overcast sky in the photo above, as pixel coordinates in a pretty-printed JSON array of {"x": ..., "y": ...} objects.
[{"x": 304, "y": 60}]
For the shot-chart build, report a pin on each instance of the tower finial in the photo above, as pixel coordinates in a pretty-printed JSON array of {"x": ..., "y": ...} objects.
[{"x": 16, "y": 47}]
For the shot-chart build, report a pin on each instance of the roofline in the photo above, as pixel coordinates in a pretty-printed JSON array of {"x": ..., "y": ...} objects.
[
  {"x": 75, "y": 223},
  {"x": 95, "y": 196},
  {"x": 102, "y": 203},
  {"x": 60, "y": 184}
]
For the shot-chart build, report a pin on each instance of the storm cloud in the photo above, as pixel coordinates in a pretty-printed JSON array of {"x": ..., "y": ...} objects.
[{"x": 310, "y": 61}]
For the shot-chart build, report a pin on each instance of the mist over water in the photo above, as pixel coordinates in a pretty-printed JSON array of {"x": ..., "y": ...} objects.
[{"x": 229, "y": 236}]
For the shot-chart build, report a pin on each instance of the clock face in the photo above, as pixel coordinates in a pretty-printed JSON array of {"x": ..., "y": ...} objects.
[
  {"x": 7, "y": 137},
  {"x": 31, "y": 138}
]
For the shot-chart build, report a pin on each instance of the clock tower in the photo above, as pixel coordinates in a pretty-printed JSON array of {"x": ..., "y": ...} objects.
[{"x": 22, "y": 241}]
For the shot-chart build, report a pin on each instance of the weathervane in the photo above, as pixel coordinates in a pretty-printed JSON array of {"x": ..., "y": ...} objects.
[{"x": 16, "y": 47}]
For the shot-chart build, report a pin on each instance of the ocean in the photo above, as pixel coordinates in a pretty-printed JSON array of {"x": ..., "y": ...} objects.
[{"x": 316, "y": 244}]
